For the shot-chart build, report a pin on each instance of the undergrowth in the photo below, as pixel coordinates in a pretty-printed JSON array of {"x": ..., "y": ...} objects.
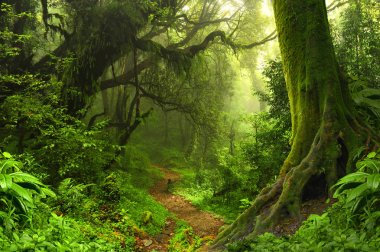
[
  {"x": 107, "y": 216},
  {"x": 184, "y": 238},
  {"x": 202, "y": 196},
  {"x": 351, "y": 224}
]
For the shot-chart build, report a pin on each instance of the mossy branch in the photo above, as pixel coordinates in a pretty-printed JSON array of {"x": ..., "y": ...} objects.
[{"x": 191, "y": 51}]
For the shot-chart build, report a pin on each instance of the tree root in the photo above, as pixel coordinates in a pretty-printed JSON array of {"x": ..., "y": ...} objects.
[
  {"x": 330, "y": 155},
  {"x": 245, "y": 223},
  {"x": 284, "y": 197}
]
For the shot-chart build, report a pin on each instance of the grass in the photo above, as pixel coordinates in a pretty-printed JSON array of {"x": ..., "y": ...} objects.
[
  {"x": 184, "y": 239},
  {"x": 202, "y": 196}
]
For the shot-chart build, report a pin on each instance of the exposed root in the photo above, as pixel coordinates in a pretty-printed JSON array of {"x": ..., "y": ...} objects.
[
  {"x": 287, "y": 192},
  {"x": 246, "y": 222},
  {"x": 329, "y": 158}
]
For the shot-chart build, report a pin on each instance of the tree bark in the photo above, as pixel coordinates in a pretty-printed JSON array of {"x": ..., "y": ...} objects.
[{"x": 325, "y": 131}]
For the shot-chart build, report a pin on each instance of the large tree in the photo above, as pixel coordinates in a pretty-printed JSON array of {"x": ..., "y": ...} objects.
[
  {"x": 325, "y": 129},
  {"x": 114, "y": 43}
]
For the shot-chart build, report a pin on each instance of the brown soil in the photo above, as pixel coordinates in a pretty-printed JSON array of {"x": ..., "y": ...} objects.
[
  {"x": 205, "y": 225},
  {"x": 288, "y": 226}
]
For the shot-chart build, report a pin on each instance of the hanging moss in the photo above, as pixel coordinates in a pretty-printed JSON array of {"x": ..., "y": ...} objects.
[{"x": 102, "y": 35}]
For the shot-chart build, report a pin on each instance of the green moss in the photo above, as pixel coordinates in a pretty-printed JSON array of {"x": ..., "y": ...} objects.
[{"x": 318, "y": 109}]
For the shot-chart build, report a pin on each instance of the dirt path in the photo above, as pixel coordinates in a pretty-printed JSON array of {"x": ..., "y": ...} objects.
[{"x": 204, "y": 224}]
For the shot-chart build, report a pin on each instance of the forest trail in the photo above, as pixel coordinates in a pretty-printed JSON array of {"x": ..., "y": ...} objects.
[{"x": 204, "y": 224}]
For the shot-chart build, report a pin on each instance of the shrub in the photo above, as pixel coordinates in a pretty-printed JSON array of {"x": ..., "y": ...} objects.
[
  {"x": 19, "y": 192},
  {"x": 351, "y": 224}
]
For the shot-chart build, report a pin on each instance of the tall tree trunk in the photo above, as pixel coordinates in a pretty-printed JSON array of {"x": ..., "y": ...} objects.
[
  {"x": 182, "y": 131},
  {"x": 166, "y": 127},
  {"x": 325, "y": 131},
  {"x": 232, "y": 138}
]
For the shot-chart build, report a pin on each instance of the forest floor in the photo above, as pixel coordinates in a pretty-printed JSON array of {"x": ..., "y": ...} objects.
[{"x": 205, "y": 225}]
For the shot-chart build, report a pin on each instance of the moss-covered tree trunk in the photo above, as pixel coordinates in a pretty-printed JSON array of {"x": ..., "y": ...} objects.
[{"x": 325, "y": 131}]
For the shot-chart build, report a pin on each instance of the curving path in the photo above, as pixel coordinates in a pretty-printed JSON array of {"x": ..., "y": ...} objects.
[{"x": 204, "y": 224}]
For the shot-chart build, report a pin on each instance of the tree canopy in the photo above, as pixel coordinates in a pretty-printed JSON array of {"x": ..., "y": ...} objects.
[{"x": 140, "y": 114}]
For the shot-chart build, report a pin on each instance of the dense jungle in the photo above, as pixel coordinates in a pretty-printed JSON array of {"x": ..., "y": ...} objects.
[{"x": 189, "y": 125}]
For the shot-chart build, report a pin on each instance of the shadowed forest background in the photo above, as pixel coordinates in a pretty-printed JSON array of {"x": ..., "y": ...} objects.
[{"x": 189, "y": 125}]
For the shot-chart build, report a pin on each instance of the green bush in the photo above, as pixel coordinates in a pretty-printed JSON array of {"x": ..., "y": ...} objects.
[
  {"x": 19, "y": 192},
  {"x": 74, "y": 151},
  {"x": 62, "y": 234},
  {"x": 71, "y": 197},
  {"x": 266, "y": 148},
  {"x": 360, "y": 192}
]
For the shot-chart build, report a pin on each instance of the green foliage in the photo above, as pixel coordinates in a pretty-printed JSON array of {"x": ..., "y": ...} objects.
[
  {"x": 61, "y": 234},
  {"x": 118, "y": 200},
  {"x": 255, "y": 161},
  {"x": 277, "y": 96},
  {"x": 367, "y": 102},
  {"x": 100, "y": 208},
  {"x": 32, "y": 120},
  {"x": 170, "y": 158},
  {"x": 137, "y": 164},
  {"x": 318, "y": 233},
  {"x": 266, "y": 147},
  {"x": 103, "y": 34},
  {"x": 138, "y": 203},
  {"x": 58, "y": 141},
  {"x": 357, "y": 41},
  {"x": 12, "y": 43},
  {"x": 75, "y": 151},
  {"x": 356, "y": 37},
  {"x": 352, "y": 224},
  {"x": 245, "y": 203},
  {"x": 87, "y": 217},
  {"x": 214, "y": 193},
  {"x": 19, "y": 191},
  {"x": 360, "y": 190},
  {"x": 70, "y": 196},
  {"x": 134, "y": 159},
  {"x": 184, "y": 239},
  {"x": 110, "y": 188}
]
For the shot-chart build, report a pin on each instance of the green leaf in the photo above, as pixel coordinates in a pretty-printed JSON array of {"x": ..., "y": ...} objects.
[
  {"x": 372, "y": 164},
  {"x": 373, "y": 181},
  {"x": 356, "y": 205},
  {"x": 371, "y": 154},
  {"x": 357, "y": 192},
  {"x": 30, "y": 186},
  {"x": 5, "y": 181},
  {"x": 16, "y": 237},
  {"x": 7, "y": 155},
  {"x": 20, "y": 204},
  {"x": 9, "y": 163},
  {"x": 367, "y": 97},
  {"x": 3, "y": 215},
  {"x": 353, "y": 177},
  {"x": 25, "y": 177},
  {"x": 48, "y": 192},
  {"x": 23, "y": 193}
]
